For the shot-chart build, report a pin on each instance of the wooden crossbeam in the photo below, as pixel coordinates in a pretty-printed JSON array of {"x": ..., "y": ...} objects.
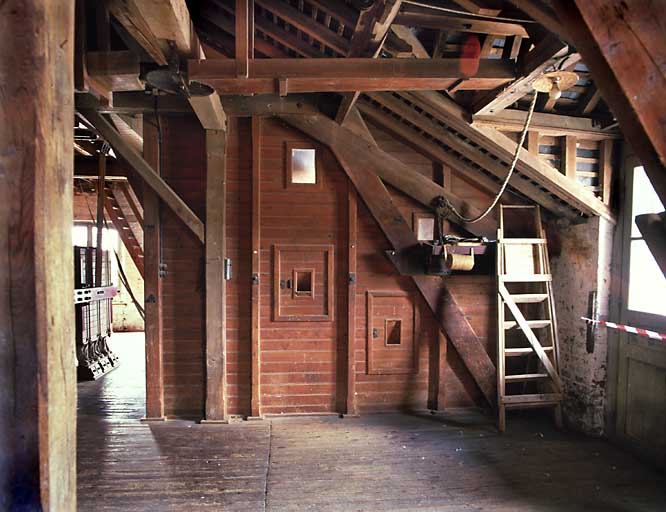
[
  {"x": 529, "y": 334},
  {"x": 346, "y": 74},
  {"x": 143, "y": 169},
  {"x": 370, "y": 188},
  {"x": 544, "y": 54}
]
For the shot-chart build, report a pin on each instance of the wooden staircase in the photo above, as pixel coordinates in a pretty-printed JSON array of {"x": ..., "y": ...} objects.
[
  {"x": 126, "y": 214},
  {"x": 528, "y": 358}
]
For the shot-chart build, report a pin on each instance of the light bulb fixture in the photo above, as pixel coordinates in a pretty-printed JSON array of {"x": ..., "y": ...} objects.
[{"x": 555, "y": 82}]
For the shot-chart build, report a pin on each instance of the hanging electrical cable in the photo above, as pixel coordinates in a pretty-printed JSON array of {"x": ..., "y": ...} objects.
[{"x": 472, "y": 220}]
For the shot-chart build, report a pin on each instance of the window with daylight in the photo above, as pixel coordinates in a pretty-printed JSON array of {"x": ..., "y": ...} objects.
[
  {"x": 647, "y": 284},
  {"x": 301, "y": 166}
]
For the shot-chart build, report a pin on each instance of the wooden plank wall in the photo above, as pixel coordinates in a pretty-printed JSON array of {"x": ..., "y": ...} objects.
[
  {"x": 303, "y": 364},
  {"x": 184, "y": 169}
]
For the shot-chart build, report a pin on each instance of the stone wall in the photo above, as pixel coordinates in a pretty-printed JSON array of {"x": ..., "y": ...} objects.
[{"x": 580, "y": 264}]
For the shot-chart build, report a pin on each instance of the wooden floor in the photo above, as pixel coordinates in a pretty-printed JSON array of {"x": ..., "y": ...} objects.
[{"x": 451, "y": 462}]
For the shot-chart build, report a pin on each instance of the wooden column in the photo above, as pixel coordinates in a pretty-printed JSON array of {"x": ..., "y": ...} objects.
[
  {"x": 255, "y": 405},
  {"x": 37, "y": 365},
  {"x": 606, "y": 169},
  {"x": 568, "y": 157},
  {"x": 216, "y": 339},
  {"x": 152, "y": 283},
  {"x": 351, "y": 300}
]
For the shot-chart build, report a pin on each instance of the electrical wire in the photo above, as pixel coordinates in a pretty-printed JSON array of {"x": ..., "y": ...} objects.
[
  {"x": 465, "y": 13},
  {"x": 472, "y": 220}
]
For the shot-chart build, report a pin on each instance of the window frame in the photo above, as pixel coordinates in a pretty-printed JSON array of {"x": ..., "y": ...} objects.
[{"x": 289, "y": 184}]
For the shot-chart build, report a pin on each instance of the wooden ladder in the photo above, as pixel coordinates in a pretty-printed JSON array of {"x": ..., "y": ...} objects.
[{"x": 528, "y": 357}]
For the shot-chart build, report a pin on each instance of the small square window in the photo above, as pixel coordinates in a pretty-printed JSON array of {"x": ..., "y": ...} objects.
[
  {"x": 304, "y": 282},
  {"x": 393, "y": 330},
  {"x": 303, "y": 168},
  {"x": 424, "y": 226}
]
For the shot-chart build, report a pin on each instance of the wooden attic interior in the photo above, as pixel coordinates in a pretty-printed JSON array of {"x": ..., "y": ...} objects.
[{"x": 351, "y": 247}]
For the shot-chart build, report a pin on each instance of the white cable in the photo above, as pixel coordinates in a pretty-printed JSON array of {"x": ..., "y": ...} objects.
[
  {"x": 465, "y": 13},
  {"x": 472, "y": 220}
]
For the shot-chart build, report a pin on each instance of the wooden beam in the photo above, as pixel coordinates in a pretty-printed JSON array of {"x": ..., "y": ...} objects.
[
  {"x": 621, "y": 45},
  {"x": 352, "y": 242},
  {"x": 568, "y": 156},
  {"x": 345, "y": 74},
  {"x": 37, "y": 366},
  {"x": 542, "y": 13},
  {"x": 306, "y": 24},
  {"x": 485, "y": 7},
  {"x": 503, "y": 147},
  {"x": 589, "y": 101},
  {"x": 408, "y": 36},
  {"x": 459, "y": 24},
  {"x": 354, "y": 160},
  {"x": 99, "y": 220},
  {"x": 129, "y": 16},
  {"x": 216, "y": 339},
  {"x": 143, "y": 169},
  {"x": 554, "y": 125},
  {"x": 532, "y": 142},
  {"x": 255, "y": 284},
  {"x": 544, "y": 54},
  {"x": 115, "y": 71},
  {"x": 152, "y": 283}
]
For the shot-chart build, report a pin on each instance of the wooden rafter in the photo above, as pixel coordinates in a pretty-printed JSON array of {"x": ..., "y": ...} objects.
[{"x": 457, "y": 24}]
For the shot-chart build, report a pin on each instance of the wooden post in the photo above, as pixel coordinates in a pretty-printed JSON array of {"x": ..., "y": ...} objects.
[
  {"x": 568, "y": 157},
  {"x": 606, "y": 169},
  {"x": 244, "y": 39},
  {"x": 351, "y": 300},
  {"x": 216, "y": 339},
  {"x": 37, "y": 367},
  {"x": 255, "y": 406},
  {"x": 101, "y": 183},
  {"x": 532, "y": 142},
  {"x": 152, "y": 283}
]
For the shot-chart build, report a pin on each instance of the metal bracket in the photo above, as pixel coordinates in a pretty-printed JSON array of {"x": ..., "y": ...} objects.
[
  {"x": 352, "y": 278},
  {"x": 255, "y": 279}
]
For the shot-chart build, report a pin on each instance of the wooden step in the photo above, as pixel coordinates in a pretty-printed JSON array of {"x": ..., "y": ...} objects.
[
  {"x": 526, "y": 351},
  {"x": 534, "y": 324},
  {"x": 522, "y": 241},
  {"x": 526, "y": 377},
  {"x": 529, "y": 298}
]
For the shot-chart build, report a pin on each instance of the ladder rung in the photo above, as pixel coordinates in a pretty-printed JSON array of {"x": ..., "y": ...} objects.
[
  {"x": 523, "y": 298},
  {"x": 526, "y": 351},
  {"x": 524, "y": 377},
  {"x": 525, "y": 278},
  {"x": 535, "y": 324},
  {"x": 522, "y": 241}
]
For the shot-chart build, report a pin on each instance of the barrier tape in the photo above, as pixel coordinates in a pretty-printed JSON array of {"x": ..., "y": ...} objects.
[{"x": 628, "y": 328}]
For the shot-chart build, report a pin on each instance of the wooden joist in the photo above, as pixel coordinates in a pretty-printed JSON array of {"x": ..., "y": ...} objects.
[
  {"x": 554, "y": 125},
  {"x": 543, "y": 55},
  {"x": 459, "y": 24},
  {"x": 360, "y": 162},
  {"x": 143, "y": 169},
  {"x": 498, "y": 144},
  {"x": 345, "y": 74}
]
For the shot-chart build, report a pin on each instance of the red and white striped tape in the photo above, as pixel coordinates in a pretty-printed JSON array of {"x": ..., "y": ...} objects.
[{"x": 628, "y": 328}]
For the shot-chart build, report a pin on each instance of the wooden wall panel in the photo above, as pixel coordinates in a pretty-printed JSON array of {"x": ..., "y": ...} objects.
[{"x": 299, "y": 361}]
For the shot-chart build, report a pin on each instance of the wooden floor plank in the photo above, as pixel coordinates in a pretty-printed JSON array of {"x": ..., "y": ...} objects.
[{"x": 455, "y": 461}]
